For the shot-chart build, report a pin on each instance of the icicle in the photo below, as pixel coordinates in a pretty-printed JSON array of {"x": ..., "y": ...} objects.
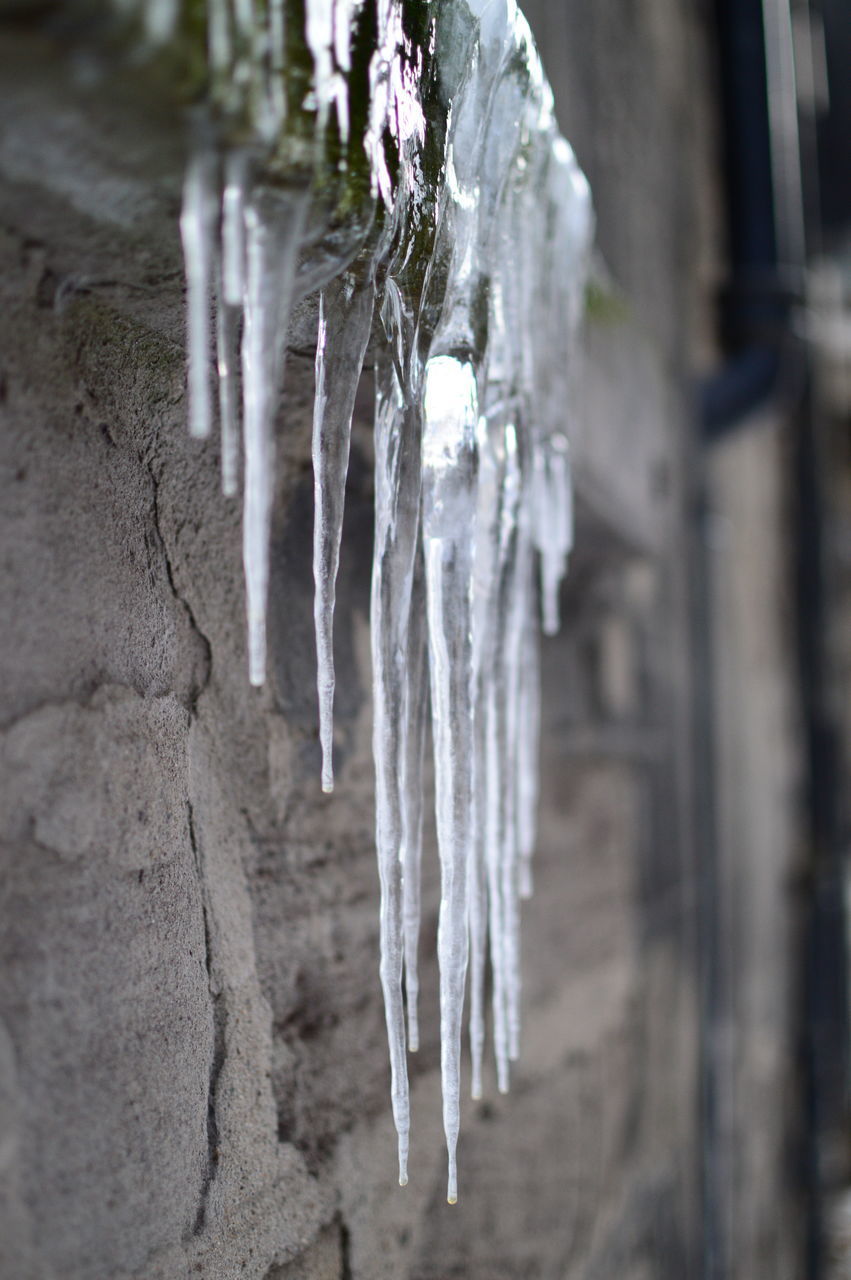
[
  {"x": 449, "y": 508},
  {"x": 397, "y": 502},
  {"x": 496, "y": 913},
  {"x": 484, "y": 631},
  {"x": 231, "y": 295},
  {"x": 478, "y": 946},
  {"x": 485, "y": 887},
  {"x": 528, "y": 736},
  {"x": 233, "y": 227},
  {"x": 197, "y": 229},
  {"x": 481, "y": 254},
  {"x": 553, "y": 524},
  {"x": 345, "y": 320},
  {"x": 227, "y": 361},
  {"x": 412, "y": 796},
  {"x": 518, "y": 602},
  {"x": 501, "y": 777},
  {"x": 274, "y": 223}
]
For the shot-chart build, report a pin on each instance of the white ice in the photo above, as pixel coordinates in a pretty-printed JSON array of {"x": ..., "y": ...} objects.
[{"x": 471, "y": 270}]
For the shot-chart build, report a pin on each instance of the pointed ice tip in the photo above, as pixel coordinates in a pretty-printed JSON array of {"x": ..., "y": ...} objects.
[
  {"x": 476, "y": 1093},
  {"x": 256, "y": 662},
  {"x": 526, "y": 887},
  {"x": 452, "y": 1176},
  {"x": 327, "y": 785},
  {"x": 403, "y": 1179}
]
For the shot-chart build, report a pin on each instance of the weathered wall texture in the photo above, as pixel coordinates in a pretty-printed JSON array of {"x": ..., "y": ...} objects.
[{"x": 193, "y": 1074}]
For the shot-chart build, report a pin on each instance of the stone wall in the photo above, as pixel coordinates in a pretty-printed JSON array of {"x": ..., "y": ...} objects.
[{"x": 193, "y": 1069}]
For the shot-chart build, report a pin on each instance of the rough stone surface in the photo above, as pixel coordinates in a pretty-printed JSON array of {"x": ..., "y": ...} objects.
[{"x": 193, "y": 1069}]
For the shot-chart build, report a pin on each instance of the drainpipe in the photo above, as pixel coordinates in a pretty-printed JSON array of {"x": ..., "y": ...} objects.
[
  {"x": 765, "y": 224},
  {"x": 766, "y": 258}
]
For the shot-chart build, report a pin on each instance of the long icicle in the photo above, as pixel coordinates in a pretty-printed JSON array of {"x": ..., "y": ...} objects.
[
  {"x": 397, "y": 501},
  {"x": 484, "y": 638},
  {"x": 450, "y": 418},
  {"x": 501, "y": 777},
  {"x": 345, "y": 321},
  {"x": 417, "y": 700}
]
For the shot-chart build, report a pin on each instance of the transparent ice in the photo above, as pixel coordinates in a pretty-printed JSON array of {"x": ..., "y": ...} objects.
[{"x": 422, "y": 185}]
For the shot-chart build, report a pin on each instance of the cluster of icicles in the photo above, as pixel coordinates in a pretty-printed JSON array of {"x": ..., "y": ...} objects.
[{"x": 474, "y": 286}]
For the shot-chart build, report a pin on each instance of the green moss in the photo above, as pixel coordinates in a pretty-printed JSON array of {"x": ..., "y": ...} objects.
[{"x": 603, "y": 306}]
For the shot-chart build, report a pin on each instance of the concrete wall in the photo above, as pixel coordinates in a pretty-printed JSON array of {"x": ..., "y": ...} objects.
[{"x": 193, "y": 1071}]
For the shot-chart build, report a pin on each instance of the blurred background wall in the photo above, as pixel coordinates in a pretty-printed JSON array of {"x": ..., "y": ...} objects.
[{"x": 193, "y": 1073}]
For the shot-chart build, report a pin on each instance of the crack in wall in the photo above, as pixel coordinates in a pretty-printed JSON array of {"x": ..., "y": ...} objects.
[
  {"x": 218, "y": 1055},
  {"x": 345, "y": 1249},
  {"x": 200, "y": 683}
]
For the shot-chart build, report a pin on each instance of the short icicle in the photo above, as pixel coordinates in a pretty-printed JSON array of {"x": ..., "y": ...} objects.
[
  {"x": 345, "y": 320},
  {"x": 273, "y": 225},
  {"x": 553, "y": 524},
  {"x": 198, "y": 225}
]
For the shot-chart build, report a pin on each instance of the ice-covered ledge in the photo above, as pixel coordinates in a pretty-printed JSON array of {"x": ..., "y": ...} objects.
[{"x": 95, "y": 175}]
